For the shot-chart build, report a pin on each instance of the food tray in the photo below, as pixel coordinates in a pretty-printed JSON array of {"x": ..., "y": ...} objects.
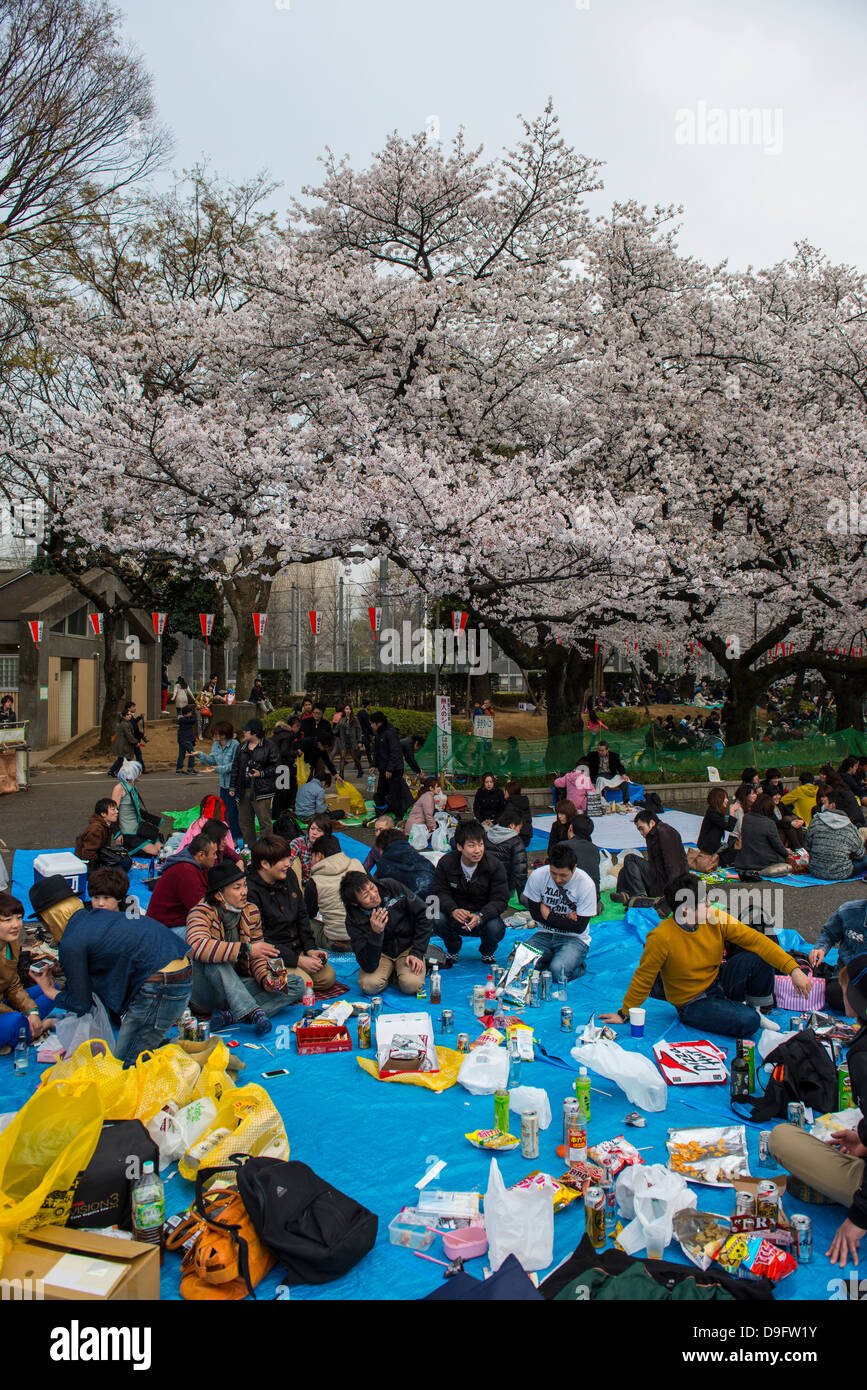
[
  {"x": 713, "y": 1157},
  {"x": 333, "y": 1038}
]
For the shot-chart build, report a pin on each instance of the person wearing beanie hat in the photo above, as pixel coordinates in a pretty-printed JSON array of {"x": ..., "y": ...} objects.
[
  {"x": 846, "y": 932},
  {"x": 838, "y": 1169},
  {"x": 135, "y": 965},
  {"x": 253, "y": 780},
  {"x": 230, "y": 956}
]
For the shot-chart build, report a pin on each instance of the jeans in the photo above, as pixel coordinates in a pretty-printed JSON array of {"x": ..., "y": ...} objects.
[
  {"x": 859, "y": 866},
  {"x": 187, "y": 750},
  {"x": 12, "y": 1023},
  {"x": 720, "y": 1010},
  {"x": 221, "y": 987},
  {"x": 231, "y": 804},
  {"x": 636, "y": 877},
  {"x": 249, "y": 811},
  {"x": 152, "y": 1011},
  {"x": 490, "y": 934},
  {"x": 561, "y": 951}
]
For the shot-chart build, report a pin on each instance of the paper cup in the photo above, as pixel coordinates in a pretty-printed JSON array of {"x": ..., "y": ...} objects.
[{"x": 636, "y": 1022}]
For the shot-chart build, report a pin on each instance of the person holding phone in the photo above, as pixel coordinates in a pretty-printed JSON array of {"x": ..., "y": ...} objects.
[{"x": 388, "y": 930}]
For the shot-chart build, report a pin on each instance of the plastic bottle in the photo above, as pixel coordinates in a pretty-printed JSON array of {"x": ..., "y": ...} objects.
[
  {"x": 148, "y": 1206},
  {"x": 436, "y": 986},
  {"x": 371, "y": 782},
  {"x": 309, "y": 1000},
  {"x": 490, "y": 996},
  {"x": 582, "y": 1092},
  {"x": 560, "y": 992},
  {"x": 21, "y": 1060},
  {"x": 514, "y": 1065}
]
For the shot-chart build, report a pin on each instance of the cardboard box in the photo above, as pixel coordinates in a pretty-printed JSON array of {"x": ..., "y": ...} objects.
[
  {"x": 60, "y": 1263},
  {"x": 338, "y": 803},
  {"x": 777, "y": 1232}
]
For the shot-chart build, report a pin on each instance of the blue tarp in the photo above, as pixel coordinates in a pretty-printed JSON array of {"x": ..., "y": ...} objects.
[{"x": 374, "y": 1139}]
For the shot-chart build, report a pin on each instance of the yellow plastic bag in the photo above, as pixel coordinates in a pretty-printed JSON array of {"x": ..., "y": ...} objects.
[
  {"x": 214, "y": 1078},
  {"x": 92, "y": 1062},
  {"x": 302, "y": 771},
  {"x": 356, "y": 800},
  {"x": 254, "y": 1126},
  {"x": 164, "y": 1075},
  {"x": 42, "y": 1152},
  {"x": 450, "y": 1065}
]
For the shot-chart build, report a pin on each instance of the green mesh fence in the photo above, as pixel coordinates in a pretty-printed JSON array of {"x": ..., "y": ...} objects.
[{"x": 473, "y": 757}]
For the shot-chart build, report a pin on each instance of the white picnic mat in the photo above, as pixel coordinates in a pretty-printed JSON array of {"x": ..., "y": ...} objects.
[{"x": 617, "y": 831}]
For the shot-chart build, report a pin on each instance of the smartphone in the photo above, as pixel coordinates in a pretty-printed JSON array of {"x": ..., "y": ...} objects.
[{"x": 278, "y": 1071}]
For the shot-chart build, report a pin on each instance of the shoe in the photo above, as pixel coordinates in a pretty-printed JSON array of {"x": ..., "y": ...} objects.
[
  {"x": 452, "y": 958},
  {"x": 222, "y": 1019},
  {"x": 641, "y": 900},
  {"x": 769, "y": 1023},
  {"x": 620, "y": 898},
  {"x": 260, "y": 1021},
  {"x": 489, "y": 960},
  {"x": 179, "y": 772}
]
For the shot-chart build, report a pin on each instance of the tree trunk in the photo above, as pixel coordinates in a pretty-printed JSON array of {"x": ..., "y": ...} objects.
[
  {"x": 246, "y": 596},
  {"x": 744, "y": 688},
  {"x": 848, "y": 692},
  {"x": 114, "y": 682}
]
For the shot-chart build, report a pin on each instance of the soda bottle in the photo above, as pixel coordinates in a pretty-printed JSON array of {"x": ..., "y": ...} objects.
[
  {"x": 514, "y": 1064},
  {"x": 490, "y": 998},
  {"x": 582, "y": 1092},
  {"x": 309, "y": 999},
  {"x": 21, "y": 1060},
  {"x": 436, "y": 986},
  {"x": 148, "y": 1206}
]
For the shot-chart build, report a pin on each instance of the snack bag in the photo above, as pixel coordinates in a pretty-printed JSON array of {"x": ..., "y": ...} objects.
[
  {"x": 522, "y": 1035},
  {"x": 618, "y": 1152},
  {"x": 753, "y": 1257},
  {"x": 580, "y": 1176},
  {"x": 701, "y": 1235},
  {"x": 491, "y": 1037},
  {"x": 492, "y": 1139},
  {"x": 563, "y": 1193}
]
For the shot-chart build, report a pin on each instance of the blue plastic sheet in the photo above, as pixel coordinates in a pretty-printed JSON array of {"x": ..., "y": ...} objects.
[{"x": 373, "y": 1139}]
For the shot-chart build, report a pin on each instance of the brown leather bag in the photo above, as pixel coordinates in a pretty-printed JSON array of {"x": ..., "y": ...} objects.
[
  {"x": 699, "y": 861},
  {"x": 226, "y": 1259},
  {"x": 456, "y": 802}
]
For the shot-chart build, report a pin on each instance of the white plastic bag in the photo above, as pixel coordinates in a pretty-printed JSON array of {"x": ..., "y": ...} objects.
[
  {"x": 485, "y": 1070},
  {"x": 440, "y": 840},
  {"x": 634, "y": 1074},
  {"x": 525, "y": 1098},
  {"x": 651, "y": 1195},
  {"x": 174, "y": 1131},
  {"x": 608, "y": 870},
  {"x": 519, "y": 1222},
  {"x": 418, "y": 836},
  {"x": 72, "y": 1031}
]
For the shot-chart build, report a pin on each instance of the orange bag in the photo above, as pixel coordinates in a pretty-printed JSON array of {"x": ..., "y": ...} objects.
[{"x": 227, "y": 1259}]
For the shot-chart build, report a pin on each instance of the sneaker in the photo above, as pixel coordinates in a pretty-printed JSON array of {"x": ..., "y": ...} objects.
[
  {"x": 260, "y": 1021},
  {"x": 179, "y": 772},
  {"x": 452, "y": 957},
  {"x": 620, "y": 898},
  {"x": 489, "y": 960},
  {"x": 641, "y": 900},
  {"x": 222, "y": 1019}
]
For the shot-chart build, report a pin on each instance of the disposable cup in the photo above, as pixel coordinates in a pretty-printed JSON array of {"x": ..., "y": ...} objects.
[{"x": 636, "y": 1022}]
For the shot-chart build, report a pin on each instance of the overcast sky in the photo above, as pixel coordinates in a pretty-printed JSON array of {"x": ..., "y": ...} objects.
[{"x": 256, "y": 84}]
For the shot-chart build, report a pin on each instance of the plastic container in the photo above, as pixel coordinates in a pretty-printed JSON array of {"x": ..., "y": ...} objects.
[
  {"x": 333, "y": 1038},
  {"x": 465, "y": 1243},
  {"x": 410, "y": 1229}
]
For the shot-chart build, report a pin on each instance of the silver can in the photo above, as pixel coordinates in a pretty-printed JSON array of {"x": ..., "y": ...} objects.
[
  {"x": 447, "y": 1022},
  {"x": 374, "y": 1005},
  {"x": 803, "y": 1229},
  {"x": 797, "y": 1114},
  {"x": 745, "y": 1204},
  {"x": 204, "y": 1030},
  {"x": 530, "y": 1134},
  {"x": 765, "y": 1160},
  {"x": 547, "y": 984},
  {"x": 479, "y": 1001}
]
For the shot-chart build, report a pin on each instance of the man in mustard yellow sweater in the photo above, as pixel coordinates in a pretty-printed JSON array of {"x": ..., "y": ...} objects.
[{"x": 686, "y": 952}]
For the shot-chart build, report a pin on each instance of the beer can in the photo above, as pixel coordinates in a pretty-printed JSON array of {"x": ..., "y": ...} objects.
[
  {"x": 447, "y": 1022},
  {"x": 463, "y": 1042},
  {"x": 530, "y": 1134},
  {"x": 594, "y": 1216},
  {"x": 802, "y": 1227},
  {"x": 364, "y": 1030},
  {"x": 765, "y": 1160},
  {"x": 501, "y": 1111},
  {"x": 797, "y": 1114},
  {"x": 768, "y": 1201},
  {"x": 479, "y": 1001},
  {"x": 844, "y": 1088},
  {"x": 203, "y": 1032},
  {"x": 547, "y": 984},
  {"x": 799, "y": 1023},
  {"x": 566, "y": 1019},
  {"x": 375, "y": 1005},
  {"x": 745, "y": 1204}
]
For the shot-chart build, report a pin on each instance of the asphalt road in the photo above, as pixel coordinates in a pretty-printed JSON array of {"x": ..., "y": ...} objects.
[{"x": 59, "y": 802}]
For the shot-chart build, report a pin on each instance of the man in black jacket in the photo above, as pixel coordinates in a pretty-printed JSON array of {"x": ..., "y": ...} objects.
[
  {"x": 409, "y": 746},
  {"x": 388, "y": 930},
  {"x": 647, "y": 879},
  {"x": 473, "y": 893},
  {"x": 366, "y": 730},
  {"x": 391, "y": 792},
  {"x": 274, "y": 887},
  {"x": 504, "y": 840},
  {"x": 604, "y": 764},
  {"x": 254, "y": 779}
]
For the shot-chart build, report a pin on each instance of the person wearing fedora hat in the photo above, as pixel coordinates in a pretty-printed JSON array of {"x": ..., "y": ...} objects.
[
  {"x": 133, "y": 964},
  {"x": 839, "y": 1168},
  {"x": 230, "y": 956},
  {"x": 253, "y": 780}
]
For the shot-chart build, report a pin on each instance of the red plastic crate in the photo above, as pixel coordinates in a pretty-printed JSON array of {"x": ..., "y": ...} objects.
[{"x": 335, "y": 1038}]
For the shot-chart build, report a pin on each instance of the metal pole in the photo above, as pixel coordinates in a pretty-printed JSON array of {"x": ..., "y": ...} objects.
[
  {"x": 383, "y": 591},
  {"x": 341, "y": 651}
]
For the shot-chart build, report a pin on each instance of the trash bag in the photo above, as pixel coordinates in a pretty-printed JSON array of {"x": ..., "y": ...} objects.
[
  {"x": 175, "y": 1130},
  {"x": 519, "y": 1222},
  {"x": 485, "y": 1070},
  {"x": 42, "y": 1151},
  {"x": 72, "y": 1030},
  {"x": 246, "y": 1122},
  {"x": 356, "y": 800},
  {"x": 419, "y": 836},
  {"x": 634, "y": 1074},
  {"x": 167, "y": 1074},
  {"x": 439, "y": 840},
  {"x": 92, "y": 1062},
  {"x": 525, "y": 1098},
  {"x": 652, "y": 1195}
]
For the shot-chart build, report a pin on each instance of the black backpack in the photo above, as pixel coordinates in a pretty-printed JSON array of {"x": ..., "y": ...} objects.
[
  {"x": 103, "y": 1188},
  {"x": 287, "y": 826},
  {"x": 803, "y": 1071},
  {"x": 316, "y": 1232}
]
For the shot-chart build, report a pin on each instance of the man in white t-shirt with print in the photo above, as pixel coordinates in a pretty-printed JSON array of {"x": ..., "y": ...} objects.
[{"x": 562, "y": 899}]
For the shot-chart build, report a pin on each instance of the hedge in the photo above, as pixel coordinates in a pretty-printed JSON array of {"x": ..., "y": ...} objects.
[
  {"x": 404, "y": 690},
  {"x": 406, "y": 721}
]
